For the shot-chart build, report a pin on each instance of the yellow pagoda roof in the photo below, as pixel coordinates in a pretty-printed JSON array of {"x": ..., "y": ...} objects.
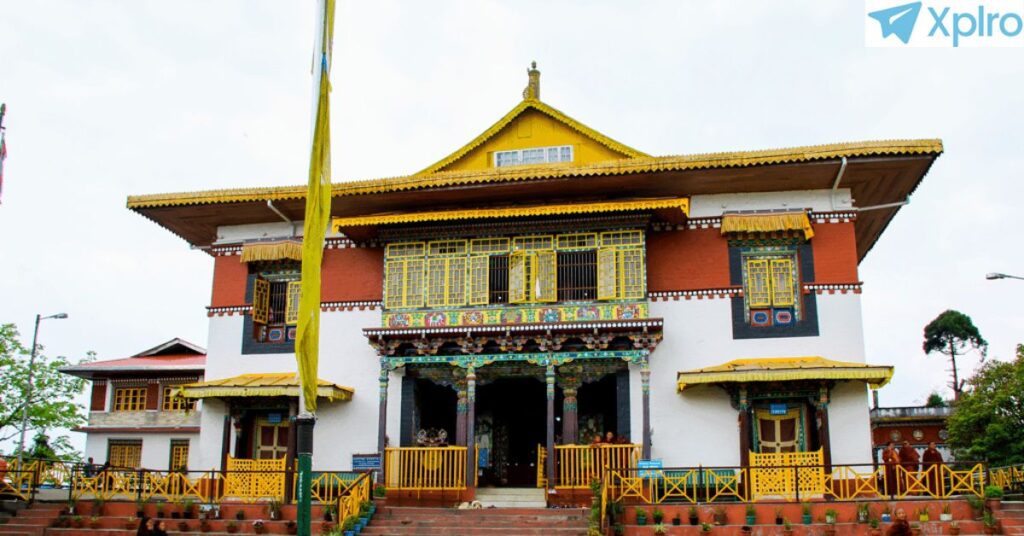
[
  {"x": 267, "y": 384},
  {"x": 774, "y": 369}
]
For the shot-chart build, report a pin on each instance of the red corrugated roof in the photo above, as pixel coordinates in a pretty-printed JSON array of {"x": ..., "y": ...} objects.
[{"x": 176, "y": 360}]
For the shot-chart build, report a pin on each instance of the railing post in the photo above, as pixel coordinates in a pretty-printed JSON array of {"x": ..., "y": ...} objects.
[
  {"x": 700, "y": 484},
  {"x": 796, "y": 485},
  {"x": 34, "y": 484},
  {"x": 138, "y": 485},
  {"x": 71, "y": 484}
]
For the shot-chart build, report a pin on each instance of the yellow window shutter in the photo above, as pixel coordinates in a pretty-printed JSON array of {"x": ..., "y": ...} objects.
[
  {"x": 437, "y": 279},
  {"x": 783, "y": 294},
  {"x": 545, "y": 281},
  {"x": 291, "y": 310},
  {"x": 260, "y": 300},
  {"x": 631, "y": 262},
  {"x": 456, "y": 281},
  {"x": 479, "y": 279},
  {"x": 413, "y": 288},
  {"x": 394, "y": 283},
  {"x": 518, "y": 283},
  {"x": 607, "y": 274},
  {"x": 758, "y": 293}
]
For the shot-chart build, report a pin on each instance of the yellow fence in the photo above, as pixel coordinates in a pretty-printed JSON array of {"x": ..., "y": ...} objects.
[
  {"x": 425, "y": 468},
  {"x": 357, "y": 492},
  {"x": 542, "y": 474},
  {"x": 940, "y": 481},
  {"x": 1007, "y": 477},
  {"x": 251, "y": 479},
  {"x": 785, "y": 475},
  {"x": 579, "y": 465}
]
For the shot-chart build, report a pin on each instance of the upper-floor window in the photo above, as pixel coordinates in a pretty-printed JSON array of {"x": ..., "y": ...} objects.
[
  {"x": 516, "y": 270},
  {"x": 129, "y": 399},
  {"x": 275, "y": 302},
  {"x": 770, "y": 283},
  {"x": 535, "y": 155},
  {"x": 173, "y": 402}
]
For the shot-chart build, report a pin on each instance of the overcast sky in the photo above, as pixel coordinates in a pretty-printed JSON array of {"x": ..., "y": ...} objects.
[{"x": 108, "y": 99}]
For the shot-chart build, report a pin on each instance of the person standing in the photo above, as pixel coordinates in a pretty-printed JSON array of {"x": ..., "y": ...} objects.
[
  {"x": 932, "y": 467},
  {"x": 891, "y": 459},
  {"x": 910, "y": 460}
]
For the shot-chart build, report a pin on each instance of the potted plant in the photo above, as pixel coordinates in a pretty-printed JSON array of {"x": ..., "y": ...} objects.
[
  {"x": 657, "y": 515},
  {"x": 915, "y": 529},
  {"x": 692, "y": 514},
  {"x": 787, "y": 527},
  {"x": 922, "y": 514},
  {"x": 863, "y": 512},
  {"x": 886, "y": 514},
  {"x": 989, "y": 522},
  {"x": 751, "y": 511},
  {"x": 258, "y": 527},
  {"x": 619, "y": 529},
  {"x": 77, "y": 521},
  {"x": 140, "y": 507},
  {"x": 349, "y": 525},
  {"x": 240, "y": 514},
  {"x": 160, "y": 510},
  {"x": 380, "y": 491},
  {"x": 175, "y": 510},
  {"x": 231, "y": 527},
  {"x": 721, "y": 518},
  {"x": 745, "y": 530},
  {"x": 831, "y": 516},
  {"x": 274, "y": 508},
  {"x": 705, "y": 528},
  {"x": 291, "y": 527},
  {"x": 994, "y": 497},
  {"x": 954, "y": 528},
  {"x": 132, "y": 523},
  {"x": 660, "y": 529},
  {"x": 183, "y": 526},
  {"x": 188, "y": 509},
  {"x": 204, "y": 525},
  {"x": 641, "y": 516},
  {"x": 677, "y": 520},
  {"x": 94, "y": 522},
  {"x": 327, "y": 528},
  {"x": 947, "y": 512},
  {"x": 830, "y": 527},
  {"x": 329, "y": 512},
  {"x": 778, "y": 515},
  {"x": 875, "y": 530},
  {"x": 805, "y": 511},
  {"x": 97, "y": 505}
]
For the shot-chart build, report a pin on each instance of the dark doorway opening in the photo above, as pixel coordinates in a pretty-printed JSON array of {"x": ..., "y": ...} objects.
[
  {"x": 436, "y": 411},
  {"x": 511, "y": 423},
  {"x": 598, "y": 404}
]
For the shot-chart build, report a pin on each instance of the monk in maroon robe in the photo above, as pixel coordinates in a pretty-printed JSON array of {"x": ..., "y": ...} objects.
[
  {"x": 932, "y": 465},
  {"x": 910, "y": 460},
  {"x": 891, "y": 459}
]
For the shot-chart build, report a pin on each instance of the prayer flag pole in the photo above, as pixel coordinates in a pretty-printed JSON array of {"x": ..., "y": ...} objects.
[{"x": 318, "y": 213}]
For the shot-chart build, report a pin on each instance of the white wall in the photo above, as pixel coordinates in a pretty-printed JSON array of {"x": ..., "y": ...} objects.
[
  {"x": 849, "y": 423},
  {"x": 156, "y": 448},
  {"x": 706, "y": 206}
]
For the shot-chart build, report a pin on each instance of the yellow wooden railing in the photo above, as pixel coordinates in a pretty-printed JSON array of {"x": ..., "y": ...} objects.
[
  {"x": 579, "y": 465},
  {"x": 786, "y": 475},
  {"x": 325, "y": 487},
  {"x": 425, "y": 468},
  {"x": 542, "y": 474},
  {"x": 249, "y": 479},
  {"x": 1011, "y": 477},
  {"x": 357, "y": 492},
  {"x": 940, "y": 481}
]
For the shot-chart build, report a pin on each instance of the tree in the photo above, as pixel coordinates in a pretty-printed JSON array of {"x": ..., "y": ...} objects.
[
  {"x": 53, "y": 405},
  {"x": 935, "y": 400},
  {"x": 952, "y": 333},
  {"x": 988, "y": 422}
]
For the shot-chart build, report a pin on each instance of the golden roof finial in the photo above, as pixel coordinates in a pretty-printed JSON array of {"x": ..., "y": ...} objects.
[{"x": 532, "y": 90}]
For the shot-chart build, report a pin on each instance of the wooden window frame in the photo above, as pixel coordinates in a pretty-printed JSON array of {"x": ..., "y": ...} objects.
[
  {"x": 114, "y": 445},
  {"x": 129, "y": 399},
  {"x": 174, "y": 455},
  {"x": 169, "y": 402}
]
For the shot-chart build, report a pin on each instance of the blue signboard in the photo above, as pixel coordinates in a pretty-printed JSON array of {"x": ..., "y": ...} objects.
[
  {"x": 778, "y": 409},
  {"x": 366, "y": 462},
  {"x": 483, "y": 456},
  {"x": 274, "y": 418},
  {"x": 650, "y": 468}
]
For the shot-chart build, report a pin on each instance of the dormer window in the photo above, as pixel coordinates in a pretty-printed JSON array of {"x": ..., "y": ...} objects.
[{"x": 536, "y": 155}]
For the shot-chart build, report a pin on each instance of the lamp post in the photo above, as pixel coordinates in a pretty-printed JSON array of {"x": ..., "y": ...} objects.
[
  {"x": 28, "y": 387},
  {"x": 996, "y": 275}
]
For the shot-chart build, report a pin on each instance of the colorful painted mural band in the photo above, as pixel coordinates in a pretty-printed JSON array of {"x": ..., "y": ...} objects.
[{"x": 516, "y": 315}]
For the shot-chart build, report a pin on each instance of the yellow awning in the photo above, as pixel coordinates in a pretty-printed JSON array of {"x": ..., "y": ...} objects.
[
  {"x": 251, "y": 385},
  {"x": 768, "y": 222},
  {"x": 774, "y": 369},
  {"x": 682, "y": 205},
  {"x": 272, "y": 251}
]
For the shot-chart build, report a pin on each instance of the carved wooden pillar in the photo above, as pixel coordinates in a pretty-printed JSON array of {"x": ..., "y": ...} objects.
[
  {"x": 382, "y": 420},
  {"x": 821, "y": 413},
  {"x": 470, "y": 426},
  {"x": 461, "y": 411},
  {"x": 645, "y": 386},
  {"x": 743, "y": 406},
  {"x": 570, "y": 419},
  {"x": 549, "y": 380}
]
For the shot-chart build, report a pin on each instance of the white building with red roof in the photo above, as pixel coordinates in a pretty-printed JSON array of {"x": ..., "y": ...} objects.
[{"x": 136, "y": 418}]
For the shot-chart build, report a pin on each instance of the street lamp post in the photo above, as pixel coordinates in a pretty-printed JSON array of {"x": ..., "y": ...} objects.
[
  {"x": 996, "y": 275},
  {"x": 28, "y": 387}
]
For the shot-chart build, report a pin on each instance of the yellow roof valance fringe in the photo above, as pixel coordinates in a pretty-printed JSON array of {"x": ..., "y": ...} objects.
[
  {"x": 253, "y": 385},
  {"x": 773, "y": 369},
  {"x": 682, "y": 204},
  {"x": 768, "y": 222},
  {"x": 272, "y": 251}
]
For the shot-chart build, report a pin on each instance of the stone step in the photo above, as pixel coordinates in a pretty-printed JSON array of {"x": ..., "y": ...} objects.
[
  {"x": 399, "y": 511},
  {"x": 472, "y": 531},
  {"x": 473, "y": 523}
]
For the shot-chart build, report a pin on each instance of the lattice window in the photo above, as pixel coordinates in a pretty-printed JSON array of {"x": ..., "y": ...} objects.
[
  {"x": 533, "y": 243},
  {"x": 533, "y": 155},
  {"x": 758, "y": 288},
  {"x": 130, "y": 399},
  {"x": 620, "y": 273},
  {"x": 447, "y": 248},
  {"x": 622, "y": 238},
  {"x": 405, "y": 249},
  {"x": 479, "y": 279},
  {"x": 292, "y": 294},
  {"x": 403, "y": 286},
  {"x": 260, "y": 301},
  {"x": 446, "y": 282},
  {"x": 577, "y": 241},
  {"x": 782, "y": 282},
  {"x": 770, "y": 282},
  {"x": 479, "y": 246},
  {"x": 124, "y": 454},
  {"x": 179, "y": 455},
  {"x": 533, "y": 277},
  {"x": 174, "y": 402}
]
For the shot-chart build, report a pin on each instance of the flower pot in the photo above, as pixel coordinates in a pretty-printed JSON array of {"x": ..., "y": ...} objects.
[
  {"x": 954, "y": 531},
  {"x": 806, "y": 518},
  {"x": 886, "y": 518},
  {"x": 831, "y": 520},
  {"x": 915, "y": 531},
  {"x": 752, "y": 520},
  {"x": 676, "y": 521},
  {"x": 830, "y": 530},
  {"x": 945, "y": 517},
  {"x": 778, "y": 520},
  {"x": 349, "y": 533},
  {"x": 989, "y": 530},
  {"x": 875, "y": 532},
  {"x": 994, "y": 504},
  {"x": 641, "y": 520},
  {"x": 182, "y": 526},
  {"x": 694, "y": 520},
  {"x": 787, "y": 532},
  {"x": 923, "y": 518}
]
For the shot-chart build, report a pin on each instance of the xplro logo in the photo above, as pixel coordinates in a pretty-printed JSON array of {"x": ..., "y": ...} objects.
[{"x": 944, "y": 23}]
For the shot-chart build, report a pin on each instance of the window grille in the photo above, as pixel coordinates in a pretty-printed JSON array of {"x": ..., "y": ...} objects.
[
  {"x": 534, "y": 155},
  {"x": 497, "y": 284},
  {"x": 770, "y": 282},
  {"x": 404, "y": 284},
  {"x": 130, "y": 399},
  {"x": 124, "y": 454},
  {"x": 577, "y": 275},
  {"x": 620, "y": 273},
  {"x": 172, "y": 402},
  {"x": 488, "y": 245},
  {"x": 179, "y": 454}
]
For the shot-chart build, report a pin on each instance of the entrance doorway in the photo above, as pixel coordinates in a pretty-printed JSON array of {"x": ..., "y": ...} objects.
[{"x": 511, "y": 424}]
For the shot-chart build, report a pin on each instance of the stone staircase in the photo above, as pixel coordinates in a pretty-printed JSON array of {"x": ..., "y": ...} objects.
[
  {"x": 512, "y": 497},
  {"x": 29, "y": 521},
  {"x": 1011, "y": 518},
  {"x": 402, "y": 521}
]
